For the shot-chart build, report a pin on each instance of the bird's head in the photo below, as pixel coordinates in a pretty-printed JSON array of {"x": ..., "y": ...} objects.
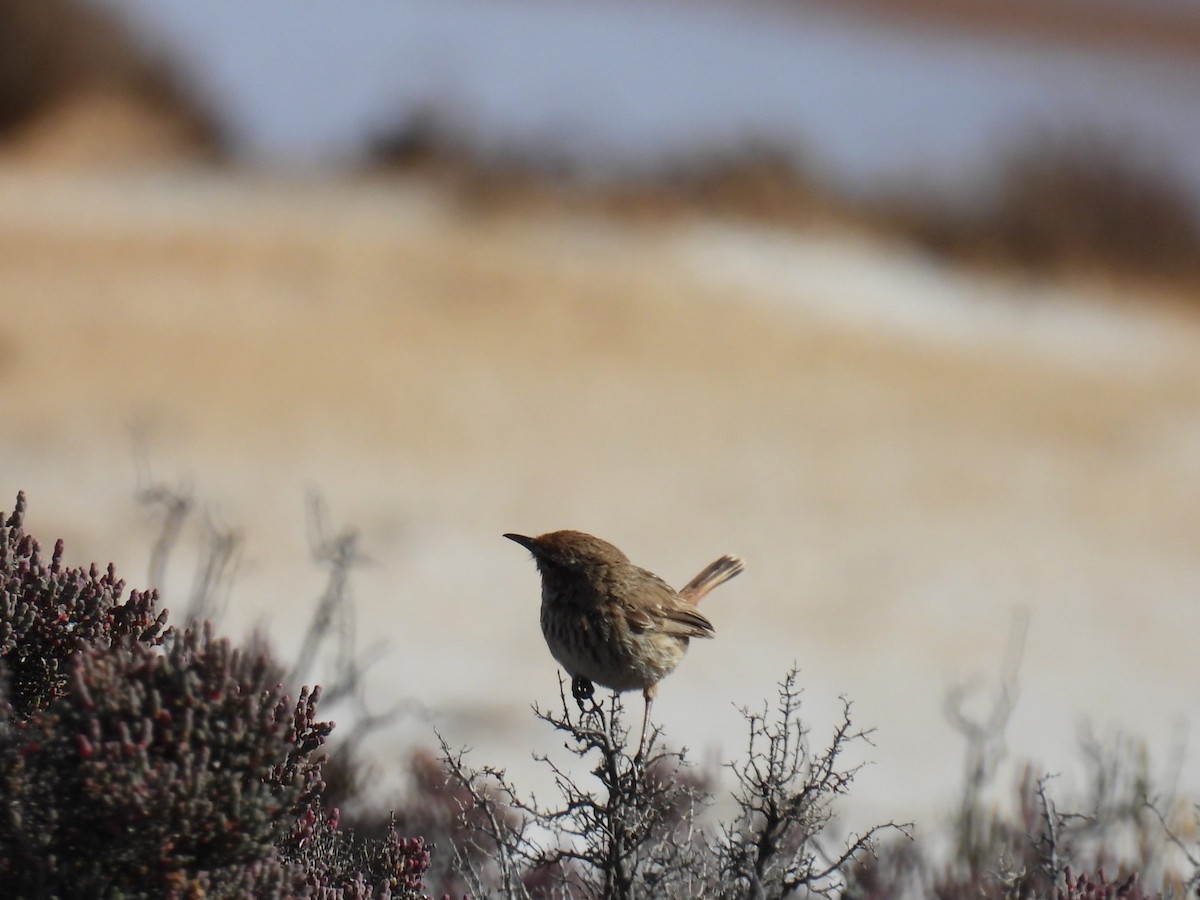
[{"x": 570, "y": 551}]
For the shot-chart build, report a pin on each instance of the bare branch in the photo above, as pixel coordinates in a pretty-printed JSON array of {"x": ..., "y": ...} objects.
[
  {"x": 215, "y": 572},
  {"x": 174, "y": 505},
  {"x": 785, "y": 794}
]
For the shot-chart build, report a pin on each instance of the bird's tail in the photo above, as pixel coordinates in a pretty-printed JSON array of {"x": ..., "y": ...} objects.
[{"x": 714, "y": 574}]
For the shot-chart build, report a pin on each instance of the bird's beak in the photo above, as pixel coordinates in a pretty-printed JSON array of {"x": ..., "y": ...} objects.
[{"x": 528, "y": 543}]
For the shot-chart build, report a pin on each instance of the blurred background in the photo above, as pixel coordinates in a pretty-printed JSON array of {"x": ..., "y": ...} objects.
[{"x": 897, "y": 299}]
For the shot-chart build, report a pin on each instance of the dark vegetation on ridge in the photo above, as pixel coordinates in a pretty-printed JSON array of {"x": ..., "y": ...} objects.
[{"x": 54, "y": 51}]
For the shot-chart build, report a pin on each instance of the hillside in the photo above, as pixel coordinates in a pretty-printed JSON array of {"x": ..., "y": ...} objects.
[{"x": 903, "y": 454}]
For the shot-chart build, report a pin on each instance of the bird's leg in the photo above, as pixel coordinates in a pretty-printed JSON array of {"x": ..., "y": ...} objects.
[
  {"x": 648, "y": 695},
  {"x": 581, "y": 690}
]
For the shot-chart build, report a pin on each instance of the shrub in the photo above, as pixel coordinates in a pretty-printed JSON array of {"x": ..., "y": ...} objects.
[
  {"x": 639, "y": 831},
  {"x": 141, "y": 762},
  {"x": 49, "y": 612},
  {"x": 157, "y": 770}
]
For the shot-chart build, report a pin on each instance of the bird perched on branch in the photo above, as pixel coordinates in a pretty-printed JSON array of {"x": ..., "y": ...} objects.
[{"x": 613, "y": 623}]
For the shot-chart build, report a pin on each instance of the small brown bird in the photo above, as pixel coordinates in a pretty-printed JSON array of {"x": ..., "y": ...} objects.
[{"x": 614, "y": 623}]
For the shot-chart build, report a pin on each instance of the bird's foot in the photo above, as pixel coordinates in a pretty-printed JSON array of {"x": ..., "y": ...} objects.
[{"x": 582, "y": 690}]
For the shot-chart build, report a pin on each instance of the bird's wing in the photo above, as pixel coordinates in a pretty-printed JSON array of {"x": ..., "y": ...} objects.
[{"x": 661, "y": 609}]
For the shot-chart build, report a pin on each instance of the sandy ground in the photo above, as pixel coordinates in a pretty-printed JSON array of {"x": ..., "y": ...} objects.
[{"x": 904, "y": 455}]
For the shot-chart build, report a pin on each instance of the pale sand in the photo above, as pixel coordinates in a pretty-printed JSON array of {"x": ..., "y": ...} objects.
[{"x": 903, "y": 459}]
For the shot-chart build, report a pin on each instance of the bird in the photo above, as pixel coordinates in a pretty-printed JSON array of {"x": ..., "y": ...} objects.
[{"x": 611, "y": 622}]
